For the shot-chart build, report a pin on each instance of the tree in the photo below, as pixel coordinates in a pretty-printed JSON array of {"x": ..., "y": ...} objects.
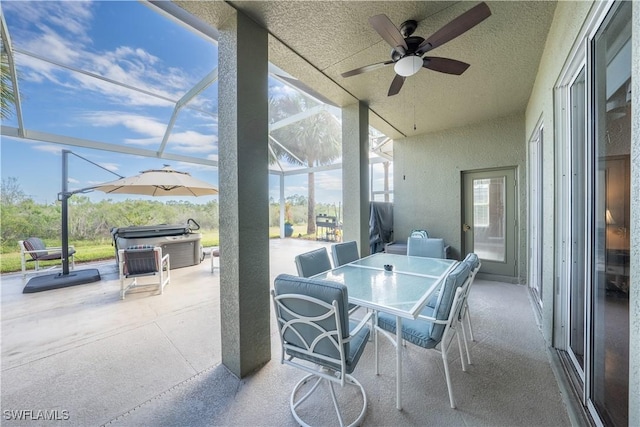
[
  {"x": 7, "y": 95},
  {"x": 311, "y": 141}
]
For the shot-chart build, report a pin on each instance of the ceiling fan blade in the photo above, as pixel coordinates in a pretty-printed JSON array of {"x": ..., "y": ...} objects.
[
  {"x": 389, "y": 32},
  {"x": 366, "y": 68},
  {"x": 458, "y": 26},
  {"x": 444, "y": 65},
  {"x": 396, "y": 85}
]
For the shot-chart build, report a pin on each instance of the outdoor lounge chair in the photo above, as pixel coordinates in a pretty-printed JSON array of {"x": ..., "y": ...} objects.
[
  {"x": 143, "y": 260},
  {"x": 318, "y": 337},
  {"x": 34, "y": 250}
]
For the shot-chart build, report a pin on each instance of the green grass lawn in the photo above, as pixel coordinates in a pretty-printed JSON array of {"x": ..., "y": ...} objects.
[{"x": 87, "y": 251}]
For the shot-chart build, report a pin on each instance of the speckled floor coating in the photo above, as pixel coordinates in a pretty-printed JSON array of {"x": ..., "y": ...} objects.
[{"x": 87, "y": 358}]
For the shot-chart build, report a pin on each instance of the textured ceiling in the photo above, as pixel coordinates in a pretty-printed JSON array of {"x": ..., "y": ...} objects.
[{"x": 316, "y": 41}]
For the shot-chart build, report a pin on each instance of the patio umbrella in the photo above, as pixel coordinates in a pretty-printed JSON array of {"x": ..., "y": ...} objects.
[{"x": 159, "y": 182}]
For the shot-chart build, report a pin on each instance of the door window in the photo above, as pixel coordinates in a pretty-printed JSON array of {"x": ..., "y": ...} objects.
[{"x": 489, "y": 218}]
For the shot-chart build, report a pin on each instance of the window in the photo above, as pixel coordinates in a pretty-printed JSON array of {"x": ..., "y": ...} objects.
[{"x": 481, "y": 202}]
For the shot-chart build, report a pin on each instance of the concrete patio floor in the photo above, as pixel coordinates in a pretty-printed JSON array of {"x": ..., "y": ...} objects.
[{"x": 89, "y": 359}]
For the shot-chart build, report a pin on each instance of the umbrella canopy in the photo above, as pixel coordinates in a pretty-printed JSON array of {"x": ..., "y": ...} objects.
[{"x": 159, "y": 182}]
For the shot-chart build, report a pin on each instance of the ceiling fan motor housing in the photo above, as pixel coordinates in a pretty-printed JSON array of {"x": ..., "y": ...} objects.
[
  {"x": 412, "y": 43},
  {"x": 408, "y": 27}
]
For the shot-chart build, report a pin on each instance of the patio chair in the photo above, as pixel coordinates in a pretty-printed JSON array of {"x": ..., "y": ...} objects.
[
  {"x": 474, "y": 265},
  {"x": 318, "y": 337},
  {"x": 435, "y": 327},
  {"x": 140, "y": 261},
  {"x": 426, "y": 247},
  {"x": 313, "y": 262},
  {"x": 344, "y": 253},
  {"x": 34, "y": 250}
]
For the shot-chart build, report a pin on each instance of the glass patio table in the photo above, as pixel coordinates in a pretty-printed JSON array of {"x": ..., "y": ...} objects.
[{"x": 402, "y": 292}]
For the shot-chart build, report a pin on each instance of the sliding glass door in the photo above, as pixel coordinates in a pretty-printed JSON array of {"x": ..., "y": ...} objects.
[
  {"x": 610, "y": 283},
  {"x": 594, "y": 207}
]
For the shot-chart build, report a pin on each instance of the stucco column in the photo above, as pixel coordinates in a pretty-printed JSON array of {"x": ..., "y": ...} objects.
[
  {"x": 355, "y": 175},
  {"x": 244, "y": 195},
  {"x": 634, "y": 288}
]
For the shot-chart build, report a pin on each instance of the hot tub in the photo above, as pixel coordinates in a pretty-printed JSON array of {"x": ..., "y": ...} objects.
[{"x": 182, "y": 245}]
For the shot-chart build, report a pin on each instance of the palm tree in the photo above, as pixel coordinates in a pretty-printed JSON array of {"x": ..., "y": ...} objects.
[
  {"x": 311, "y": 141},
  {"x": 7, "y": 95}
]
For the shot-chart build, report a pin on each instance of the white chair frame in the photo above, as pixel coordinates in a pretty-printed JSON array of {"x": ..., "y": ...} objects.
[
  {"x": 164, "y": 273},
  {"x": 465, "y": 314},
  {"x": 318, "y": 372},
  {"x": 23, "y": 258},
  {"x": 451, "y": 328}
]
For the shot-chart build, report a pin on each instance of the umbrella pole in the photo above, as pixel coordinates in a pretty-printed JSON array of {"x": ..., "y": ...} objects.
[{"x": 64, "y": 279}]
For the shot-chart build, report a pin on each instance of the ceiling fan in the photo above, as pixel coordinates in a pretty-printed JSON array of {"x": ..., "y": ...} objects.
[{"x": 407, "y": 51}]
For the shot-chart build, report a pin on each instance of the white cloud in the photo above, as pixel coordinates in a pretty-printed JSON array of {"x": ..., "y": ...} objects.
[
  {"x": 213, "y": 157},
  {"x": 328, "y": 182},
  {"x": 48, "y": 148},
  {"x": 185, "y": 167},
  {"x": 110, "y": 166},
  {"x": 152, "y": 131},
  {"x": 193, "y": 142},
  {"x": 280, "y": 90},
  {"x": 72, "y": 17},
  {"x": 63, "y": 36},
  {"x": 140, "y": 124}
]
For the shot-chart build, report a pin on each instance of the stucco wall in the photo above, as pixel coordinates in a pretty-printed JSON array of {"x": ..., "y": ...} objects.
[
  {"x": 568, "y": 20},
  {"x": 427, "y": 177}
]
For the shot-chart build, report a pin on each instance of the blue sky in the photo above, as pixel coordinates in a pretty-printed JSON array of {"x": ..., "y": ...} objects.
[{"x": 124, "y": 42}]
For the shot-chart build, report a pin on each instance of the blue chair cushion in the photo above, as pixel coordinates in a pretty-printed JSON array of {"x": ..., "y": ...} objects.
[
  {"x": 313, "y": 262},
  {"x": 328, "y": 292},
  {"x": 344, "y": 253},
  {"x": 429, "y": 247},
  {"x": 356, "y": 346},
  {"x": 473, "y": 260},
  {"x": 355, "y": 349},
  {"x": 422, "y": 332},
  {"x": 453, "y": 281},
  {"x": 417, "y": 331},
  {"x": 433, "y": 300}
]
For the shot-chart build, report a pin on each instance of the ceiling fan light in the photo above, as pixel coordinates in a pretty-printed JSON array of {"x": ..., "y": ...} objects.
[{"x": 408, "y": 66}]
